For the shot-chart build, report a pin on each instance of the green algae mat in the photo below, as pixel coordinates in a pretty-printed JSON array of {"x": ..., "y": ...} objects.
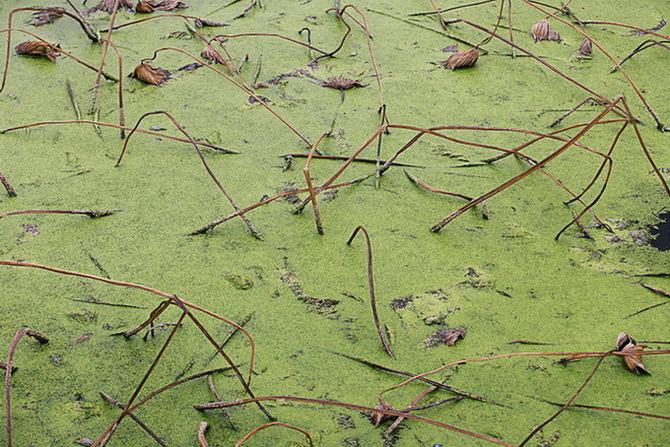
[{"x": 507, "y": 256}]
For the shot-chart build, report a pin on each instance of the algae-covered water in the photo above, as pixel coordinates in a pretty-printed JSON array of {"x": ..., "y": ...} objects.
[{"x": 495, "y": 271}]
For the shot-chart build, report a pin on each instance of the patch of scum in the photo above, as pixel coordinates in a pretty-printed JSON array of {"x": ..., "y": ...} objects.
[{"x": 556, "y": 292}]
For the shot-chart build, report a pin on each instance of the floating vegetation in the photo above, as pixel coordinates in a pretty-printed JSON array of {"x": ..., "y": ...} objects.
[{"x": 461, "y": 177}]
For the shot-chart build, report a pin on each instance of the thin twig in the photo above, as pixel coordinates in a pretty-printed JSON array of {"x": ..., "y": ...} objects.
[{"x": 272, "y": 424}]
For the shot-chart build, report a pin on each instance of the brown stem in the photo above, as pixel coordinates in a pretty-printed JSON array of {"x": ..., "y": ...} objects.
[
  {"x": 107, "y": 434},
  {"x": 432, "y": 189},
  {"x": 8, "y": 375},
  {"x": 252, "y": 342},
  {"x": 237, "y": 84},
  {"x": 310, "y": 187},
  {"x": 353, "y": 407},
  {"x": 272, "y": 424},
  {"x": 438, "y": 226},
  {"x": 371, "y": 289},
  {"x": 217, "y": 222},
  {"x": 132, "y": 416},
  {"x": 60, "y": 50},
  {"x": 564, "y": 407},
  {"x": 252, "y": 229},
  {"x": 98, "y": 123}
]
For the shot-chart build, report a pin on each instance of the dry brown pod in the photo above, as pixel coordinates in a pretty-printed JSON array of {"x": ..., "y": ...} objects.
[
  {"x": 461, "y": 59},
  {"x": 40, "y": 49},
  {"x": 341, "y": 83},
  {"x": 626, "y": 343},
  {"x": 210, "y": 54},
  {"x": 150, "y": 74},
  {"x": 586, "y": 48},
  {"x": 542, "y": 30},
  {"x": 199, "y": 23}
]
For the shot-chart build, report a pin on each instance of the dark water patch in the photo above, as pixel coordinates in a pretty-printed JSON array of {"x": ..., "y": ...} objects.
[{"x": 661, "y": 233}]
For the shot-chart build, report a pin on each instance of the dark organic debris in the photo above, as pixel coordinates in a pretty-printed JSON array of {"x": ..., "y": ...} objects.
[
  {"x": 150, "y": 74},
  {"x": 47, "y": 16},
  {"x": 542, "y": 30},
  {"x": 448, "y": 337},
  {"x": 377, "y": 418},
  {"x": 461, "y": 59},
  {"x": 626, "y": 343},
  {"x": 108, "y": 6},
  {"x": 39, "y": 49}
]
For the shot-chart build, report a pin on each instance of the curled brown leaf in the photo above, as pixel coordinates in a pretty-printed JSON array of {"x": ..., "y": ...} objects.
[
  {"x": 40, "y": 49},
  {"x": 542, "y": 30},
  {"x": 461, "y": 59},
  {"x": 150, "y": 74},
  {"x": 148, "y": 6},
  {"x": 625, "y": 343},
  {"x": 47, "y": 16}
]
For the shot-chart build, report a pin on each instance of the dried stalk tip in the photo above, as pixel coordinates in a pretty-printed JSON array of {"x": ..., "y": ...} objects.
[
  {"x": 626, "y": 343},
  {"x": 543, "y": 31},
  {"x": 40, "y": 49},
  {"x": 461, "y": 59},
  {"x": 200, "y": 23},
  {"x": 149, "y": 74},
  {"x": 46, "y": 17},
  {"x": 586, "y": 48},
  {"x": 148, "y": 6},
  {"x": 341, "y": 83},
  {"x": 210, "y": 54},
  {"x": 108, "y": 6}
]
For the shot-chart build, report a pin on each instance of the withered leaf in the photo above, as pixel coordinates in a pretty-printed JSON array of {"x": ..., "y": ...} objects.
[
  {"x": 108, "y": 6},
  {"x": 46, "y": 17},
  {"x": 542, "y": 30},
  {"x": 586, "y": 48},
  {"x": 199, "y": 23},
  {"x": 448, "y": 337},
  {"x": 150, "y": 74},
  {"x": 341, "y": 83},
  {"x": 147, "y": 6},
  {"x": 40, "y": 49},
  {"x": 461, "y": 59},
  {"x": 377, "y": 418},
  {"x": 210, "y": 54},
  {"x": 626, "y": 343}
]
